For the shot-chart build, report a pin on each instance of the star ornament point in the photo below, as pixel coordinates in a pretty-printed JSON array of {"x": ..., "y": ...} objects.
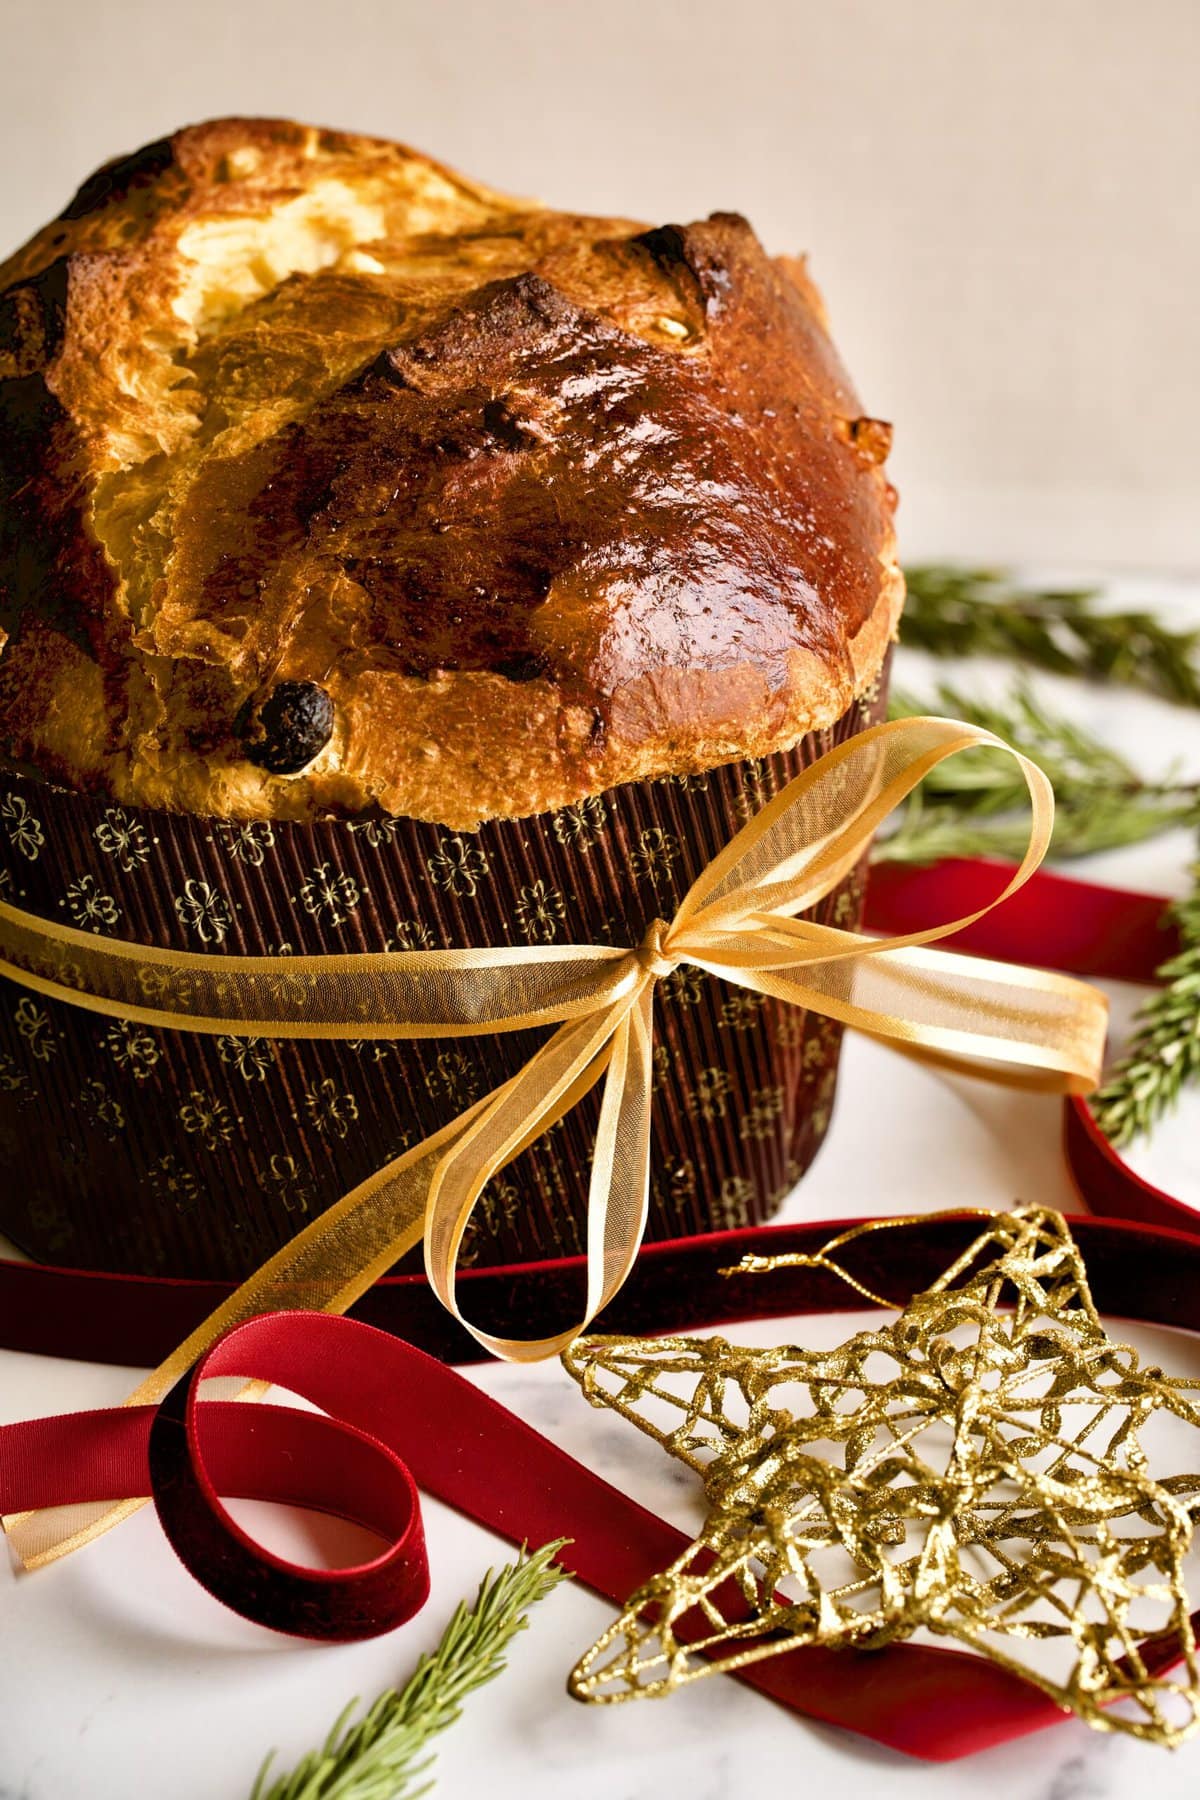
[{"x": 972, "y": 1469}]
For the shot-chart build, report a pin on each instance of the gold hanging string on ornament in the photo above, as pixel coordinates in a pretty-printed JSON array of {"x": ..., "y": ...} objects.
[
  {"x": 737, "y": 921},
  {"x": 823, "y": 1258}
]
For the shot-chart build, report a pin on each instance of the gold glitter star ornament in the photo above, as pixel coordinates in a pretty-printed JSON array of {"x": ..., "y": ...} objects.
[{"x": 974, "y": 1469}]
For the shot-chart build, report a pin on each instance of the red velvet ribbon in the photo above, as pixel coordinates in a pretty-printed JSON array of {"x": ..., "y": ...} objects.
[
  {"x": 383, "y": 1396},
  {"x": 386, "y": 1403}
]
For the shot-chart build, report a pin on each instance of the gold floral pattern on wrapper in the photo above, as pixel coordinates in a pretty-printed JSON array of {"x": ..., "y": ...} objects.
[
  {"x": 22, "y": 826},
  {"x": 314, "y": 1118},
  {"x": 121, "y": 836}
]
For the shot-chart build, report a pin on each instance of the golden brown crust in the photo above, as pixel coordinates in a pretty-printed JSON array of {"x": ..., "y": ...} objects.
[{"x": 539, "y": 503}]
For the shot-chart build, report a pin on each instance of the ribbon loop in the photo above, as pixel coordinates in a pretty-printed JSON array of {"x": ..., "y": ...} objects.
[{"x": 805, "y": 841}]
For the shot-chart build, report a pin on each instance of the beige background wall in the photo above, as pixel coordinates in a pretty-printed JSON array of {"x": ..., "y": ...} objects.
[{"x": 999, "y": 196}]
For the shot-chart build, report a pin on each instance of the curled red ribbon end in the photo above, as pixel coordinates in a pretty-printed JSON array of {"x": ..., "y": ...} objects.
[{"x": 187, "y": 1452}]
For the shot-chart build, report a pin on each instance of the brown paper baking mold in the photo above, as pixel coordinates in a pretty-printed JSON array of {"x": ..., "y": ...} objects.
[{"x": 124, "y": 1148}]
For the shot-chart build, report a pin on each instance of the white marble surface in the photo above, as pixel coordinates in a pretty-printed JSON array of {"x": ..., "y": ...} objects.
[{"x": 118, "y": 1677}]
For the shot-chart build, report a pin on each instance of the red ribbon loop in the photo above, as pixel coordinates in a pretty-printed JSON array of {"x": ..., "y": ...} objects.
[{"x": 188, "y": 1451}]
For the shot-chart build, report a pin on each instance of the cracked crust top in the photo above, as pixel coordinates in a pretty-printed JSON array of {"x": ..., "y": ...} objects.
[{"x": 330, "y": 481}]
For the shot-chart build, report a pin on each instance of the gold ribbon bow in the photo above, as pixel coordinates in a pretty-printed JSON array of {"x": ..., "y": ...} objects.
[{"x": 737, "y": 921}]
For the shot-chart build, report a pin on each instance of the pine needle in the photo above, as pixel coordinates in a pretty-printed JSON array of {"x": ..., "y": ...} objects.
[
  {"x": 383, "y": 1756},
  {"x": 1165, "y": 1051},
  {"x": 976, "y": 805},
  {"x": 952, "y": 611}
]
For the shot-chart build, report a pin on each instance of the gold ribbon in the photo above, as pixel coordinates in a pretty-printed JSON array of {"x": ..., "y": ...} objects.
[{"x": 737, "y": 921}]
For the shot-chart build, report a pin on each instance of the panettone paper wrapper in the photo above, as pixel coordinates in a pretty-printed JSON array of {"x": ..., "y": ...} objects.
[{"x": 174, "y": 1153}]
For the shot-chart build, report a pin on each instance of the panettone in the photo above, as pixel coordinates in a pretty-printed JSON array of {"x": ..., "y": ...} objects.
[
  {"x": 332, "y": 482},
  {"x": 388, "y": 565}
]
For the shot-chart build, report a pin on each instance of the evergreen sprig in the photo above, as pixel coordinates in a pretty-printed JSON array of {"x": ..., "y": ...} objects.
[
  {"x": 952, "y": 611},
  {"x": 975, "y": 804},
  {"x": 383, "y": 1755},
  {"x": 1164, "y": 1053}
]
